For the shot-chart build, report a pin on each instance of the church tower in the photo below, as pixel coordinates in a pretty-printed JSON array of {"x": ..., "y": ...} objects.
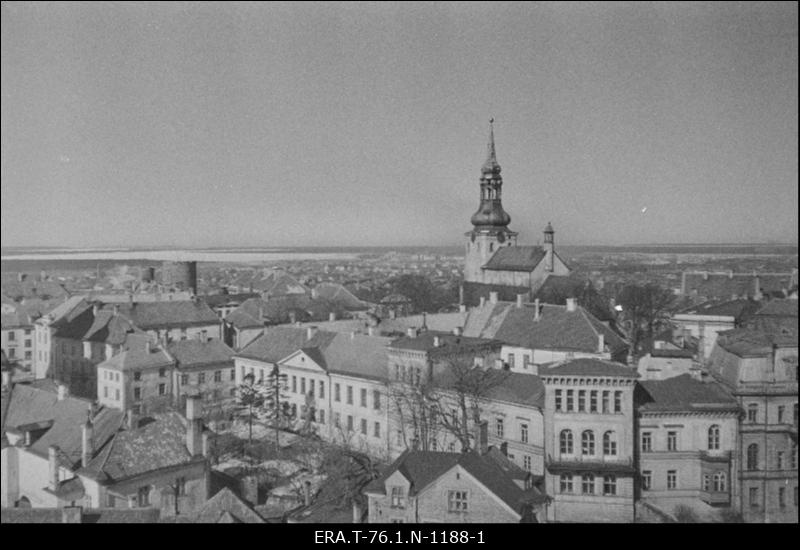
[{"x": 490, "y": 223}]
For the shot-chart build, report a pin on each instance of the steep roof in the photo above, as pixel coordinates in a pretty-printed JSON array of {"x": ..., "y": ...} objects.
[
  {"x": 746, "y": 342},
  {"x": 501, "y": 385},
  {"x": 338, "y": 294},
  {"x": 684, "y": 393},
  {"x": 157, "y": 443},
  {"x": 28, "y": 406},
  {"x": 362, "y": 356},
  {"x": 448, "y": 343},
  {"x": 738, "y": 309},
  {"x": 217, "y": 300},
  {"x": 189, "y": 353},
  {"x": 516, "y": 258},
  {"x": 138, "y": 357},
  {"x": 169, "y": 314},
  {"x": 225, "y": 507},
  {"x": 779, "y": 308},
  {"x": 279, "y": 342},
  {"x": 588, "y": 367},
  {"x": 492, "y": 470},
  {"x": 110, "y": 328},
  {"x": 726, "y": 284}
]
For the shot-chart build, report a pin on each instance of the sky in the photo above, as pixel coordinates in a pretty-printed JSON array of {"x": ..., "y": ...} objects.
[{"x": 237, "y": 124}]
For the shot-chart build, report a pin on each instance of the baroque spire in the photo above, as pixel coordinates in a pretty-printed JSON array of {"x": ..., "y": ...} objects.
[{"x": 491, "y": 164}]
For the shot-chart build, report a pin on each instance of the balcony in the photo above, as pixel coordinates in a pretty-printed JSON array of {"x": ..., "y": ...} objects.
[{"x": 598, "y": 463}]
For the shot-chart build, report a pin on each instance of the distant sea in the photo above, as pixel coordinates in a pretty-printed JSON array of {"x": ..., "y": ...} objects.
[{"x": 34, "y": 258}]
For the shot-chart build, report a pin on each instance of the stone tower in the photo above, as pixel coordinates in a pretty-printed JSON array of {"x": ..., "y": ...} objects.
[{"x": 490, "y": 223}]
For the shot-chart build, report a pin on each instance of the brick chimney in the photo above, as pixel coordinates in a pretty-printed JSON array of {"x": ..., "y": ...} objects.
[
  {"x": 520, "y": 300},
  {"x": 601, "y": 342},
  {"x": 311, "y": 332},
  {"x": 437, "y": 342},
  {"x": 52, "y": 464},
  {"x": 411, "y": 332},
  {"x": 332, "y": 316},
  {"x": 536, "y": 309},
  {"x": 481, "y": 437},
  {"x": 493, "y": 297},
  {"x": 87, "y": 441},
  {"x": 63, "y": 392},
  {"x": 572, "y": 304},
  {"x": 483, "y": 301},
  {"x": 458, "y": 331},
  {"x": 194, "y": 427}
]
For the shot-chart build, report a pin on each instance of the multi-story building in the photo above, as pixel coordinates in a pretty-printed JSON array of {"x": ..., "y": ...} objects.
[
  {"x": 479, "y": 486},
  {"x": 204, "y": 368},
  {"x": 45, "y": 328},
  {"x": 589, "y": 440},
  {"x": 687, "y": 433},
  {"x": 760, "y": 369},
  {"x": 17, "y": 335},
  {"x": 704, "y": 321}
]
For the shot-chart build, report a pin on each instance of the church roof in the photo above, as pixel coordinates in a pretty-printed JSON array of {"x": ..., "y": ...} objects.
[{"x": 516, "y": 258}]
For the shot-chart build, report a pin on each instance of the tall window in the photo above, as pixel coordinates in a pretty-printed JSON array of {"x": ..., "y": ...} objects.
[
  {"x": 713, "y": 438},
  {"x": 526, "y": 360},
  {"x": 364, "y": 426},
  {"x": 752, "y": 412},
  {"x": 526, "y": 462},
  {"x": 511, "y": 361},
  {"x": 457, "y": 501},
  {"x": 565, "y": 442},
  {"x": 311, "y": 387},
  {"x": 376, "y": 400},
  {"x": 570, "y": 400},
  {"x": 337, "y": 393},
  {"x": 349, "y": 422},
  {"x": 782, "y": 497},
  {"x": 617, "y": 401},
  {"x": 610, "y": 444},
  {"x": 217, "y": 376},
  {"x": 349, "y": 395},
  {"x": 321, "y": 389},
  {"x": 780, "y": 460},
  {"x": 523, "y": 432},
  {"x": 303, "y": 386},
  {"x": 610, "y": 485},
  {"x": 581, "y": 400},
  {"x": 162, "y": 389},
  {"x": 499, "y": 428},
  {"x": 752, "y": 456},
  {"x": 753, "y": 497},
  {"x": 377, "y": 431},
  {"x": 647, "y": 442},
  {"x": 606, "y": 401},
  {"x": 558, "y": 400},
  {"x": 720, "y": 482},
  {"x": 398, "y": 497},
  {"x": 647, "y": 480},
  {"x": 587, "y": 484},
  {"x": 587, "y": 443},
  {"x": 672, "y": 441},
  {"x": 201, "y": 378},
  {"x": 565, "y": 483},
  {"x": 143, "y": 497},
  {"x": 672, "y": 479},
  {"x": 781, "y": 411},
  {"x": 593, "y": 401},
  {"x": 706, "y": 482},
  {"x": 294, "y": 384}
]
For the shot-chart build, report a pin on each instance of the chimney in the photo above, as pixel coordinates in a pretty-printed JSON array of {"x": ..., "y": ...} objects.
[
  {"x": 63, "y": 392},
  {"x": 483, "y": 301},
  {"x": 536, "y": 309},
  {"x": 462, "y": 308},
  {"x": 205, "y": 444},
  {"x": 352, "y": 335},
  {"x": 72, "y": 514},
  {"x": 261, "y": 314},
  {"x": 481, "y": 437},
  {"x": 493, "y": 297},
  {"x": 411, "y": 332},
  {"x": 7, "y": 377},
  {"x": 87, "y": 441},
  {"x": 311, "y": 332},
  {"x": 292, "y": 317},
  {"x": 504, "y": 448},
  {"x": 332, "y": 316},
  {"x": 458, "y": 331},
  {"x": 116, "y": 310},
  {"x": 194, "y": 428},
  {"x": 52, "y": 463},
  {"x": 357, "y": 513},
  {"x": 95, "y": 310},
  {"x": 437, "y": 342},
  {"x": 307, "y": 493},
  {"x": 148, "y": 347},
  {"x": 249, "y": 488},
  {"x": 314, "y": 293},
  {"x": 601, "y": 342},
  {"x": 392, "y": 314},
  {"x": 572, "y": 304},
  {"x": 415, "y": 444},
  {"x": 370, "y": 331},
  {"x": 520, "y": 300},
  {"x": 131, "y": 422}
]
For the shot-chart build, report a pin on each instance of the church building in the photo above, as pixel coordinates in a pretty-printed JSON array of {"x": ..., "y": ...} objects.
[{"x": 494, "y": 261}]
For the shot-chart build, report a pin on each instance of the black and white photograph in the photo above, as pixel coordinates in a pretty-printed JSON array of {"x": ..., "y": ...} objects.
[{"x": 364, "y": 264}]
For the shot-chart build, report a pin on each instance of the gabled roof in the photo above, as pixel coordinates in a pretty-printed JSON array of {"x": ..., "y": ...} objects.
[
  {"x": 28, "y": 405},
  {"x": 170, "y": 314},
  {"x": 69, "y": 309},
  {"x": 779, "y": 308},
  {"x": 738, "y": 309},
  {"x": 279, "y": 342},
  {"x": 339, "y": 295},
  {"x": 361, "y": 356},
  {"x": 448, "y": 343},
  {"x": 746, "y": 342},
  {"x": 156, "y": 444},
  {"x": 218, "y": 300},
  {"x": 189, "y": 353},
  {"x": 493, "y": 470},
  {"x": 500, "y": 385},
  {"x": 588, "y": 367},
  {"x": 516, "y": 258},
  {"x": 138, "y": 356},
  {"x": 110, "y": 328},
  {"x": 684, "y": 393},
  {"x": 226, "y": 507}
]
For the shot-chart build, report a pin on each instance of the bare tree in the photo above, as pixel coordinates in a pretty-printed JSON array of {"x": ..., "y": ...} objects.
[{"x": 644, "y": 309}]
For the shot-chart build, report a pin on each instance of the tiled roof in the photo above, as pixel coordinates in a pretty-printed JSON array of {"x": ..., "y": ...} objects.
[
  {"x": 217, "y": 300},
  {"x": 726, "y": 284},
  {"x": 501, "y": 385},
  {"x": 516, "y": 258},
  {"x": 448, "y": 343},
  {"x": 29, "y": 405},
  {"x": 779, "y": 308},
  {"x": 109, "y": 328},
  {"x": 588, "y": 367},
  {"x": 173, "y": 314},
  {"x": 557, "y": 288},
  {"x": 684, "y": 393},
  {"x": 30, "y": 288},
  {"x": 338, "y": 294},
  {"x": 189, "y": 353},
  {"x": 138, "y": 357},
  {"x": 279, "y": 342},
  {"x": 69, "y": 309},
  {"x": 225, "y": 507},
  {"x": 362, "y": 356},
  {"x": 158, "y": 443},
  {"x": 746, "y": 342},
  {"x": 496, "y": 473},
  {"x": 556, "y": 328},
  {"x": 739, "y": 309}
]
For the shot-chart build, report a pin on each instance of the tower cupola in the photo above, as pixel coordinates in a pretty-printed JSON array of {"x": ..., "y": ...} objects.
[{"x": 490, "y": 214}]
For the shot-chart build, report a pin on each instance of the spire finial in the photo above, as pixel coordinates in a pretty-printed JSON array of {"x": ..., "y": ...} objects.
[{"x": 491, "y": 156}]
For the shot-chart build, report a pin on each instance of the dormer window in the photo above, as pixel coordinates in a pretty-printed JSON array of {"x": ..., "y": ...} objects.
[{"x": 398, "y": 497}]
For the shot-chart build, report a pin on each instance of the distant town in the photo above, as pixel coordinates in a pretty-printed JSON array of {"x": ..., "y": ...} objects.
[{"x": 496, "y": 382}]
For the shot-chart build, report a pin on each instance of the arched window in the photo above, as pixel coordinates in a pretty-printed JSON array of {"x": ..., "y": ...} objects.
[
  {"x": 565, "y": 442},
  {"x": 752, "y": 456},
  {"x": 565, "y": 483},
  {"x": 610, "y": 444},
  {"x": 610, "y": 485},
  {"x": 720, "y": 482},
  {"x": 587, "y": 484},
  {"x": 713, "y": 438},
  {"x": 587, "y": 443}
]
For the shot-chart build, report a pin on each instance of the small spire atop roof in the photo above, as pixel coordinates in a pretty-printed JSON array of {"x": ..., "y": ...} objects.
[{"x": 491, "y": 156}]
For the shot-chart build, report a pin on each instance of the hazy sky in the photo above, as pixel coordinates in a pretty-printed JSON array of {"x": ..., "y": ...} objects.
[{"x": 356, "y": 124}]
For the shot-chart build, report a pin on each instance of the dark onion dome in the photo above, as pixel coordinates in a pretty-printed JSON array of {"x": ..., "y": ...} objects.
[
  {"x": 549, "y": 228},
  {"x": 490, "y": 213}
]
